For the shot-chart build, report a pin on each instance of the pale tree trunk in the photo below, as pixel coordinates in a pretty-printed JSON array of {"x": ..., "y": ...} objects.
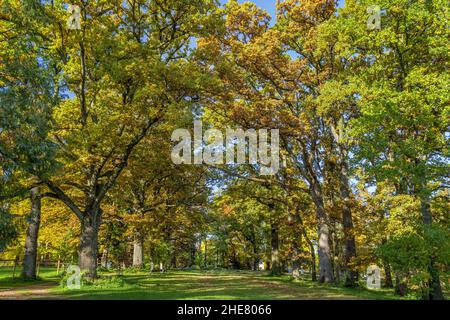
[
  {"x": 138, "y": 251},
  {"x": 324, "y": 251},
  {"x": 31, "y": 240},
  {"x": 89, "y": 243}
]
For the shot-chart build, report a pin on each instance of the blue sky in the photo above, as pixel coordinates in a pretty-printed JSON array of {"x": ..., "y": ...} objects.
[{"x": 269, "y": 5}]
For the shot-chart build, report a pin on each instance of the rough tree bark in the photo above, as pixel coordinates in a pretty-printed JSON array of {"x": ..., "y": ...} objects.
[
  {"x": 31, "y": 240},
  {"x": 324, "y": 251},
  {"x": 89, "y": 243},
  {"x": 138, "y": 250}
]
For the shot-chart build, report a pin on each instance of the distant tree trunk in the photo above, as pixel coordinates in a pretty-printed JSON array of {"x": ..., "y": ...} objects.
[
  {"x": 275, "y": 259},
  {"x": 336, "y": 256},
  {"x": 299, "y": 220},
  {"x": 234, "y": 261},
  {"x": 252, "y": 240},
  {"x": 388, "y": 280},
  {"x": 435, "y": 292},
  {"x": 313, "y": 262},
  {"x": 173, "y": 262},
  {"x": 31, "y": 240},
  {"x": 89, "y": 243},
  {"x": 206, "y": 254},
  {"x": 296, "y": 250},
  {"x": 387, "y": 271},
  {"x": 255, "y": 255},
  {"x": 138, "y": 250},
  {"x": 192, "y": 254},
  {"x": 295, "y": 263},
  {"x": 400, "y": 287},
  {"x": 217, "y": 257}
]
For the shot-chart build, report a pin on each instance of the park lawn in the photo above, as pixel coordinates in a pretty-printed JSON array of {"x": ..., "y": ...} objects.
[
  {"x": 215, "y": 285},
  {"x": 233, "y": 285},
  {"x": 7, "y": 281}
]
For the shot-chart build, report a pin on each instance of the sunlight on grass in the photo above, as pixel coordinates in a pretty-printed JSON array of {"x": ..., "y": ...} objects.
[{"x": 194, "y": 285}]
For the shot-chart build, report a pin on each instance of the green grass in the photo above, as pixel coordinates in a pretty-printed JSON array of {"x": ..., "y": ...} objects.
[
  {"x": 46, "y": 274},
  {"x": 232, "y": 285},
  {"x": 217, "y": 285}
]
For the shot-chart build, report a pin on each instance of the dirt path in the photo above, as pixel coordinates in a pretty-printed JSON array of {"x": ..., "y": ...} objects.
[{"x": 36, "y": 291}]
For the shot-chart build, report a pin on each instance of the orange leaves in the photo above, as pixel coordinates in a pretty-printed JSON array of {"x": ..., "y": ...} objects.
[
  {"x": 309, "y": 12},
  {"x": 246, "y": 21}
]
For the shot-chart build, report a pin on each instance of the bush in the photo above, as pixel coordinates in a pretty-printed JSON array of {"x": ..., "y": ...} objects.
[
  {"x": 409, "y": 254},
  {"x": 105, "y": 282}
]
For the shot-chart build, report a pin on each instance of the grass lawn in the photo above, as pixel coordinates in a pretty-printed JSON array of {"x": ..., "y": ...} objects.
[
  {"x": 240, "y": 285},
  {"x": 7, "y": 281}
]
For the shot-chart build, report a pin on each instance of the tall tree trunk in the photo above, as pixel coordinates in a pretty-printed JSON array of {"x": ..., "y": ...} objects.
[
  {"x": 138, "y": 250},
  {"x": 387, "y": 271},
  {"x": 324, "y": 251},
  {"x": 351, "y": 275},
  {"x": 89, "y": 243},
  {"x": 31, "y": 240},
  {"x": 274, "y": 241},
  {"x": 435, "y": 289}
]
